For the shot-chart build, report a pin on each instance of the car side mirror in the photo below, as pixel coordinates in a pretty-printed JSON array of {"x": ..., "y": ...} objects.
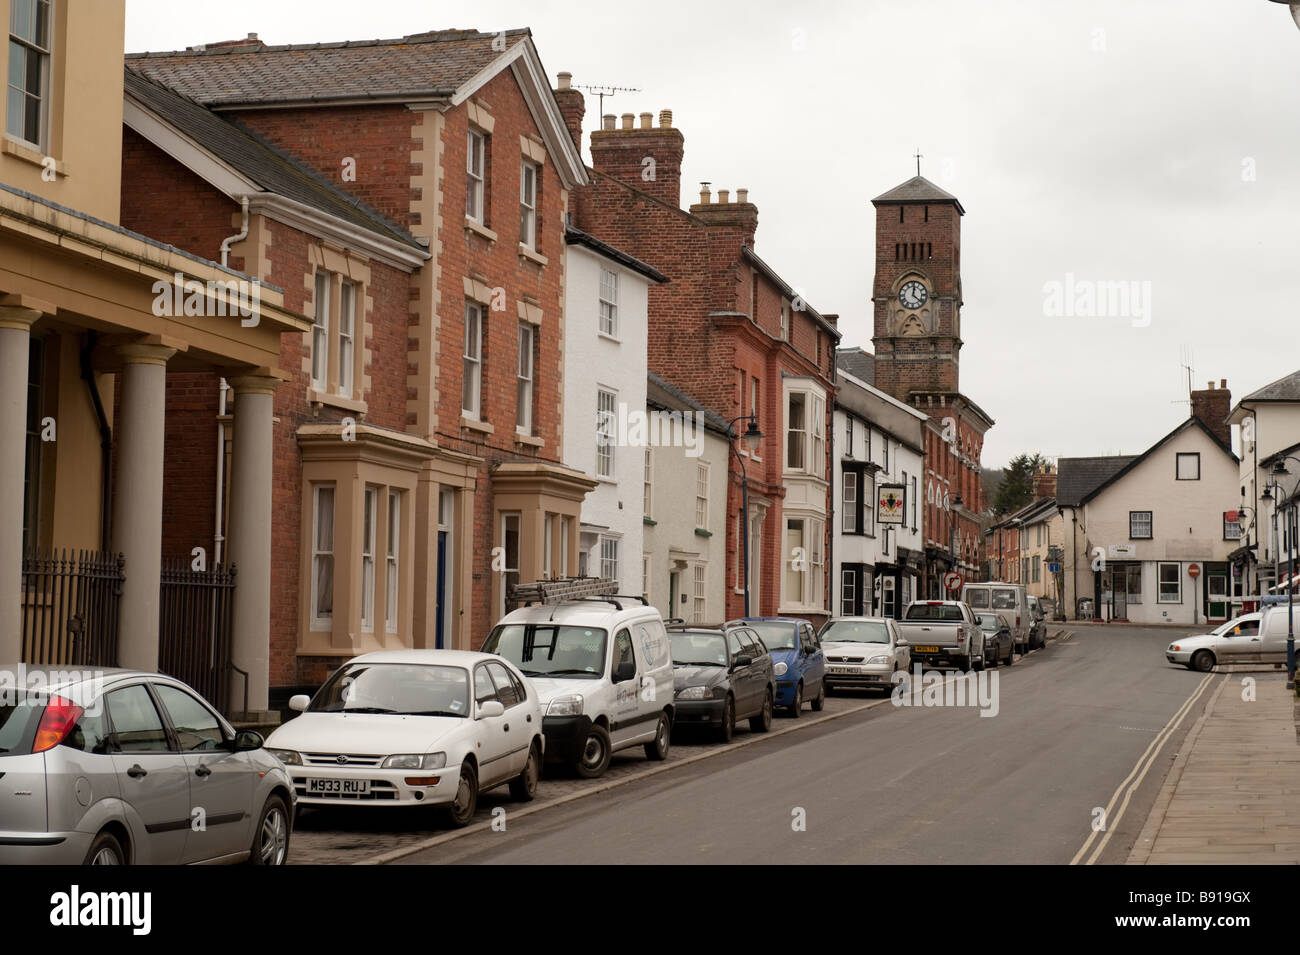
[
  {"x": 248, "y": 740},
  {"x": 299, "y": 702},
  {"x": 625, "y": 671},
  {"x": 491, "y": 708},
  {"x": 902, "y": 643},
  {"x": 743, "y": 660}
]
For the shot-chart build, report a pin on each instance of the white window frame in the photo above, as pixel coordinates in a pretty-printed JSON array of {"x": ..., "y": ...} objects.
[
  {"x": 524, "y": 379},
  {"x": 507, "y": 517},
  {"x": 785, "y": 320},
  {"x": 607, "y": 297},
  {"x": 849, "y": 501},
  {"x": 369, "y": 529},
  {"x": 1150, "y": 525},
  {"x": 320, "y": 331},
  {"x": 788, "y": 574},
  {"x": 46, "y": 54},
  {"x": 471, "y": 392},
  {"x": 321, "y": 555},
  {"x": 817, "y": 431},
  {"x": 790, "y": 431},
  {"x": 647, "y": 498},
  {"x": 606, "y": 422},
  {"x": 609, "y": 558},
  {"x": 1178, "y": 579},
  {"x": 1191, "y": 456},
  {"x": 645, "y": 576},
  {"x": 475, "y": 175},
  {"x": 848, "y": 590},
  {"x": 347, "y": 337},
  {"x": 699, "y": 579},
  {"x": 393, "y": 543},
  {"x": 528, "y": 176},
  {"x": 702, "y": 495}
]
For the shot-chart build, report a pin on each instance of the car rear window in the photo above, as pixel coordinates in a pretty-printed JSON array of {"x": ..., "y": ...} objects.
[
  {"x": 934, "y": 612},
  {"x": 20, "y": 713}
]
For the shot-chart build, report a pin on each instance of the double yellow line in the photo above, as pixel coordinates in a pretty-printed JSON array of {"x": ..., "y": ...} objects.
[{"x": 1135, "y": 777}]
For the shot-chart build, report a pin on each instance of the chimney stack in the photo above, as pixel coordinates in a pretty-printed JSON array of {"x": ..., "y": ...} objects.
[
  {"x": 1211, "y": 406},
  {"x": 1045, "y": 482},
  {"x": 741, "y": 215},
  {"x": 645, "y": 157},
  {"x": 573, "y": 107}
]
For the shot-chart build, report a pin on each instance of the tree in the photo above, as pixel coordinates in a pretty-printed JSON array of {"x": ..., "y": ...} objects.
[{"x": 1017, "y": 486}]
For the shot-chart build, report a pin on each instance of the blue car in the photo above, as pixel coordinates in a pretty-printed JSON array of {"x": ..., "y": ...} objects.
[{"x": 797, "y": 659}]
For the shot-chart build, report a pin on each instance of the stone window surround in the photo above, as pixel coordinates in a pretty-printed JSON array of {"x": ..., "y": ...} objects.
[{"x": 349, "y": 266}]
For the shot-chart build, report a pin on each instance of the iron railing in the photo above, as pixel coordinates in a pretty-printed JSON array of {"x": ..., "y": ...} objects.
[
  {"x": 195, "y": 627},
  {"x": 70, "y": 607}
]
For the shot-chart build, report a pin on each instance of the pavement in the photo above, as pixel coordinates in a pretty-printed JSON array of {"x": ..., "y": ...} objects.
[{"x": 1233, "y": 793}]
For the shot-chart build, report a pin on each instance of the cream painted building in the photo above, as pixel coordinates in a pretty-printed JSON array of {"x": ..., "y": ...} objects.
[{"x": 85, "y": 351}]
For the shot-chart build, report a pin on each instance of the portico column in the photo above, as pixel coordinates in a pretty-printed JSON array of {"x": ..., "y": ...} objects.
[
  {"x": 250, "y": 536},
  {"x": 137, "y": 500},
  {"x": 15, "y": 338}
]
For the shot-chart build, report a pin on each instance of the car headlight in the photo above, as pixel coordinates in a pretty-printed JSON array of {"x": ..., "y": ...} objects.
[
  {"x": 878, "y": 659},
  {"x": 1174, "y": 647},
  {"x": 415, "y": 761},
  {"x": 780, "y": 669},
  {"x": 286, "y": 756},
  {"x": 570, "y": 705},
  {"x": 693, "y": 693}
]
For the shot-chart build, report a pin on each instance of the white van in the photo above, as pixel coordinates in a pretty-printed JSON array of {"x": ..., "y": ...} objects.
[
  {"x": 603, "y": 671},
  {"x": 1008, "y": 600}
]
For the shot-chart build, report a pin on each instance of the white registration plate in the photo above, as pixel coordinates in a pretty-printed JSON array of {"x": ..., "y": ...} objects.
[
  {"x": 845, "y": 670},
  {"x": 317, "y": 785}
]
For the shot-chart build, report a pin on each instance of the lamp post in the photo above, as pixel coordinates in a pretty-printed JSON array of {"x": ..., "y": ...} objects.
[
  {"x": 752, "y": 438},
  {"x": 1295, "y": 9},
  {"x": 1287, "y": 504},
  {"x": 952, "y": 529}
]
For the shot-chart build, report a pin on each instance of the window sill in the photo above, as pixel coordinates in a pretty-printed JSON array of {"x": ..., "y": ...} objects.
[
  {"x": 530, "y": 440},
  {"x": 701, "y": 532},
  {"x": 532, "y": 255},
  {"x": 609, "y": 338},
  {"x": 472, "y": 225},
  {"x": 28, "y": 153},
  {"x": 473, "y": 424},
  {"x": 336, "y": 401},
  {"x": 649, "y": 522}
]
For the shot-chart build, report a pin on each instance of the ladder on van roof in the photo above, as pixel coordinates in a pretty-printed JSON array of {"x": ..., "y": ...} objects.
[{"x": 568, "y": 589}]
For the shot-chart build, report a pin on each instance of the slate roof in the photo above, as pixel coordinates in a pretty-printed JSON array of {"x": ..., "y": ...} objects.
[
  {"x": 574, "y": 236},
  {"x": 1079, "y": 477},
  {"x": 858, "y": 362},
  {"x": 1284, "y": 389},
  {"x": 918, "y": 189},
  {"x": 661, "y": 394},
  {"x": 433, "y": 64},
  {"x": 258, "y": 160}
]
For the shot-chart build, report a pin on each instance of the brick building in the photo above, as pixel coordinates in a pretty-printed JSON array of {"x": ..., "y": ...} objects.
[
  {"x": 918, "y": 297},
  {"x": 409, "y": 195},
  {"x": 731, "y": 333}
]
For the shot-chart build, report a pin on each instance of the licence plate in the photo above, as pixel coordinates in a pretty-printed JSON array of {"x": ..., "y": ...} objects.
[
  {"x": 926, "y": 649},
  {"x": 357, "y": 787},
  {"x": 847, "y": 670}
]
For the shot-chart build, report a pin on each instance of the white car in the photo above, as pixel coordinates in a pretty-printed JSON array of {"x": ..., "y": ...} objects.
[
  {"x": 1237, "y": 641},
  {"x": 863, "y": 652},
  {"x": 414, "y": 728},
  {"x": 604, "y": 671}
]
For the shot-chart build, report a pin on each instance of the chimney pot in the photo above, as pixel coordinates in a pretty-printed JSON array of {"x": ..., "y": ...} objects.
[
  {"x": 1223, "y": 382},
  {"x": 609, "y": 120},
  {"x": 645, "y": 120},
  {"x": 252, "y": 36},
  {"x": 724, "y": 196},
  {"x": 742, "y": 195},
  {"x": 704, "y": 194},
  {"x": 565, "y": 80},
  {"x": 627, "y": 120},
  {"x": 1210, "y": 385},
  {"x": 665, "y": 119}
]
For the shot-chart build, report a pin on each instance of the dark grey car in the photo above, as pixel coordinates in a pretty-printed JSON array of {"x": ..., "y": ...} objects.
[
  {"x": 721, "y": 675},
  {"x": 999, "y": 641},
  {"x": 114, "y": 767}
]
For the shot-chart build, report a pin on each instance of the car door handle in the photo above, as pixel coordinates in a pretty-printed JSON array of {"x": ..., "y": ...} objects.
[
  {"x": 507, "y": 727},
  {"x": 202, "y": 771},
  {"x": 136, "y": 771}
]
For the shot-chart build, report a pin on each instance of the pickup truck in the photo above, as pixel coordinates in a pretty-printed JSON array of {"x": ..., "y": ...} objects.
[{"x": 943, "y": 632}]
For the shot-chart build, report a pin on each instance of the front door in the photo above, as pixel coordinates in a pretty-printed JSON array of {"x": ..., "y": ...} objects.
[
  {"x": 440, "y": 611},
  {"x": 1119, "y": 593},
  {"x": 1216, "y": 587}
]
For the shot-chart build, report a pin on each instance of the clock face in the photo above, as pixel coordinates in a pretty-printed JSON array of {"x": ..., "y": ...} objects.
[{"x": 913, "y": 294}]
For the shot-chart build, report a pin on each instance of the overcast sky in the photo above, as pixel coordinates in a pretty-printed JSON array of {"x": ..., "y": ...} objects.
[{"x": 1153, "y": 142}]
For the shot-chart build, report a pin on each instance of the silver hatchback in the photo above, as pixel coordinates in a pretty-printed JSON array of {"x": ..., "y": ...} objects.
[{"x": 111, "y": 767}]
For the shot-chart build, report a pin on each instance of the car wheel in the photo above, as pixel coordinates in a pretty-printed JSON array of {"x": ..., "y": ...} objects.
[
  {"x": 977, "y": 665},
  {"x": 271, "y": 834},
  {"x": 657, "y": 748},
  {"x": 1203, "y": 660},
  {"x": 524, "y": 786},
  {"x": 595, "y": 753},
  {"x": 763, "y": 721},
  {"x": 797, "y": 706},
  {"x": 1011, "y": 654},
  {"x": 461, "y": 810},
  {"x": 819, "y": 703},
  {"x": 728, "y": 721},
  {"x": 105, "y": 850}
]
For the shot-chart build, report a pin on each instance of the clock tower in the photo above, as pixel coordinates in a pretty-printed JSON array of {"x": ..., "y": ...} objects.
[{"x": 917, "y": 291}]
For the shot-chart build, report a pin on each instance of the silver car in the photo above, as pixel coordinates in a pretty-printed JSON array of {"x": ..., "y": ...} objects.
[{"x": 110, "y": 767}]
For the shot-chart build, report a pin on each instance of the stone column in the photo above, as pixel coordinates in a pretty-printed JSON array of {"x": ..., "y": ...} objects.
[
  {"x": 250, "y": 537},
  {"x": 15, "y": 337},
  {"x": 137, "y": 499}
]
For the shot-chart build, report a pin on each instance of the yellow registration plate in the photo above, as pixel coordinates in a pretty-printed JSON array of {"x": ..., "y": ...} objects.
[{"x": 926, "y": 649}]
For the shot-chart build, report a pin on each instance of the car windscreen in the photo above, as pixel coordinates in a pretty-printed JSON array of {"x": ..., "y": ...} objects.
[
  {"x": 934, "y": 612},
  {"x": 977, "y": 599},
  {"x": 776, "y": 636},
  {"x": 551, "y": 649},
  {"x": 1004, "y": 599},
  {"x": 19, "y": 713},
  {"x": 410, "y": 689},
  {"x": 855, "y": 631},
  {"x": 698, "y": 649}
]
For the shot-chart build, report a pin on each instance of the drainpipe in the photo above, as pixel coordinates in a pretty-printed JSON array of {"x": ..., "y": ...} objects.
[{"x": 105, "y": 444}]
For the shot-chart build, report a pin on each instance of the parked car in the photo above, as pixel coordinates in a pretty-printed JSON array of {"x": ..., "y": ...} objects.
[
  {"x": 999, "y": 644},
  {"x": 117, "y": 767},
  {"x": 1000, "y": 597},
  {"x": 603, "y": 672},
  {"x": 797, "y": 660},
  {"x": 414, "y": 728},
  {"x": 721, "y": 675},
  {"x": 943, "y": 632},
  {"x": 863, "y": 652},
  {"x": 1238, "y": 641},
  {"x": 1037, "y": 622}
]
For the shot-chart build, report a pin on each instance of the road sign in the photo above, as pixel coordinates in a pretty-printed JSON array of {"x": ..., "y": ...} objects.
[
  {"x": 1231, "y": 516},
  {"x": 1193, "y": 570},
  {"x": 1053, "y": 568},
  {"x": 952, "y": 581}
]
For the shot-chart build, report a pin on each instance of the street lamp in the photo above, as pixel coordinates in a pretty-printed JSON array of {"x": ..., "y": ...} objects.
[
  {"x": 1288, "y": 503},
  {"x": 752, "y": 438},
  {"x": 952, "y": 530},
  {"x": 1295, "y": 9}
]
